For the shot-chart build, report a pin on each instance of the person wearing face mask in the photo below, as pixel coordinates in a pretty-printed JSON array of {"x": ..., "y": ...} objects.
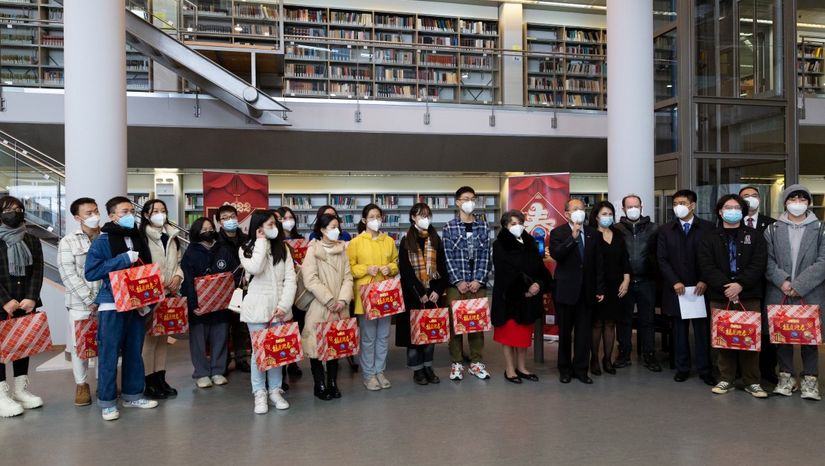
[
  {"x": 468, "y": 251},
  {"x": 269, "y": 298},
  {"x": 21, "y": 277},
  {"x": 520, "y": 282},
  {"x": 579, "y": 286},
  {"x": 286, "y": 216},
  {"x": 232, "y": 237},
  {"x": 330, "y": 210},
  {"x": 80, "y": 293},
  {"x": 677, "y": 247},
  {"x": 760, "y": 222},
  {"x": 733, "y": 259},
  {"x": 163, "y": 243},
  {"x": 617, "y": 273},
  {"x": 118, "y": 247},
  {"x": 287, "y": 219},
  {"x": 640, "y": 238},
  {"x": 795, "y": 273},
  {"x": 372, "y": 257},
  {"x": 207, "y": 333},
  {"x": 327, "y": 275},
  {"x": 423, "y": 271}
]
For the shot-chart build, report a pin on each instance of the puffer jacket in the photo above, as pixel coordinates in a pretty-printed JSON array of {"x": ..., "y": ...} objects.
[{"x": 271, "y": 287}]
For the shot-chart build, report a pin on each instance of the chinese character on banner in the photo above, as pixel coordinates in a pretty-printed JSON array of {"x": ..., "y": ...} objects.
[
  {"x": 541, "y": 198},
  {"x": 246, "y": 192}
]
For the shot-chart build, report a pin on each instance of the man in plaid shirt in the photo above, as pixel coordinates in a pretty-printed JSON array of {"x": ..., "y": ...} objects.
[
  {"x": 80, "y": 293},
  {"x": 467, "y": 250}
]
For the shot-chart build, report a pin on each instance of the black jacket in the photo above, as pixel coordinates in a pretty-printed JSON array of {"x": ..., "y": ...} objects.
[
  {"x": 762, "y": 223},
  {"x": 199, "y": 261},
  {"x": 751, "y": 262},
  {"x": 233, "y": 258},
  {"x": 31, "y": 283},
  {"x": 576, "y": 279},
  {"x": 677, "y": 255},
  {"x": 413, "y": 289},
  {"x": 517, "y": 266},
  {"x": 640, "y": 238}
]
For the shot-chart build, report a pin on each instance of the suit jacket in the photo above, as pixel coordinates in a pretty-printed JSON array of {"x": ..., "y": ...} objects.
[
  {"x": 751, "y": 263},
  {"x": 762, "y": 223},
  {"x": 677, "y": 257},
  {"x": 577, "y": 279}
]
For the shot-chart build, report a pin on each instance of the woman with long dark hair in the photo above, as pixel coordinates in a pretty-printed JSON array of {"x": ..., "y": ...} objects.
[
  {"x": 289, "y": 221},
  {"x": 328, "y": 209}
]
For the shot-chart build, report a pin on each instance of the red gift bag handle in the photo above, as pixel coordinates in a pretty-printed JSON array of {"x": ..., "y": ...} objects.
[
  {"x": 737, "y": 302},
  {"x": 785, "y": 300}
]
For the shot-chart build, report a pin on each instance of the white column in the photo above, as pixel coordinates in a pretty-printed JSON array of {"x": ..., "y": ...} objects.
[
  {"x": 95, "y": 100},
  {"x": 511, "y": 30},
  {"x": 630, "y": 122}
]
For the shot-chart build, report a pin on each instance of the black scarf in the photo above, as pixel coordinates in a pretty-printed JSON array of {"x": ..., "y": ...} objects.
[{"x": 117, "y": 243}]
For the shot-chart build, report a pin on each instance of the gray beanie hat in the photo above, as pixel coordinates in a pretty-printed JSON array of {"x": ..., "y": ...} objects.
[{"x": 795, "y": 188}]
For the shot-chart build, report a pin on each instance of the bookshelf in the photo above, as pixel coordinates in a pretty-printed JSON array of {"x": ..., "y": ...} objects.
[
  {"x": 577, "y": 79},
  {"x": 811, "y": 66}
]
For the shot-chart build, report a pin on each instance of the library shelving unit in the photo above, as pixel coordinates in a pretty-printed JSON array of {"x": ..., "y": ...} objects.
[
  {"x": 192, "y": 207},
  {"x": 565, "y": 66},
  {"x": 811, "y": 66},
  {"x": 235, "y": 22}
]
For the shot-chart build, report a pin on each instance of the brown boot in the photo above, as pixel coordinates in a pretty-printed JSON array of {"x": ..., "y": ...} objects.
[{"x": 82, "y": 395}]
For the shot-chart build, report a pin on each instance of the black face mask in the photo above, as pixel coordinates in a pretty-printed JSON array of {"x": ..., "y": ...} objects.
[
  {"x": 209, "y": 236},
  {"x": 12, "y": 219}
]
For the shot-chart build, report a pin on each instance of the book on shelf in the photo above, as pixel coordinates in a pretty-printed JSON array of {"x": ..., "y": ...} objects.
[
  {"x": 541, "y": 98},
  {"x": 209, "y": 28},
  {"x": 394, "y": 37},
  {"x": 305, "y": 87},
  {"x": 479, "y": 27},
  {"x": 582, "y": 100},
  {"x": 387, "y": 201},
  {"x": 395, "y": 74},
  {"x": 438, "y": 77},
  {"x": 438, "y": 40},
  {"x": 207, "y": 9},
  {"x": 298, "y": 52},
  {"x": 579, "y": 35},
  {"x": 256, "y": 29},
  {"x": 340, "y": 201},
  {"x": 393, "y": 56},
  {"x": 297, "y": 201},
  {"x": 305, "y": 15},
  {"x": 12, "y": 59},
  {"x": 257, "y": 11},
  {"x": 476, "y": 62},
  {"x": 551, "y": 66},
  {"x": 436, "y": 24},
  {"x": 351, "y": 17},
  {"x": 589, "y": 85},
  {"x": 584, "y": 67},
  {"x": 304, "y": 31},
  {"x": 540, "y": 83},
  {"x": 438, "y": 60},
  {"x": 53, "y": 41},
  {"x": 583, "y": 50},
  {"x": 350, "y": 55},
  {"x": 349, "y": 34},
  {"x": 303, "y": 70},
  {"x": 391, "y": 91},
  {"x": 354, "y": 89},
  {"x": 394, "y": 21}
]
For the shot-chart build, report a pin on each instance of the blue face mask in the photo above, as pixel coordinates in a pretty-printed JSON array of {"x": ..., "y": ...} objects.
[
  {"x": 230, "y": 225},
  {"x": 605, "y": 221},
  {"x": 732, "y": 215},
  {"x": 127, "y": 221}
]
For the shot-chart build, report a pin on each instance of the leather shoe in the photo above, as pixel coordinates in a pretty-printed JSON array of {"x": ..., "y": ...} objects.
[
  {"x": 708, "y": 379},
  {"x": 515, "y": 379},
  {"x": 681, "y": 376},
  {"x": 530, "y": 377},
  {"x": 594, "y": 368},
  {"x": 608, "y": 367},
  {"x": 651, "y": 363},
  {"x": 565, "y": 378},
  {"x": 622, "y": 361},
  {"x": 585, "y": 379}
]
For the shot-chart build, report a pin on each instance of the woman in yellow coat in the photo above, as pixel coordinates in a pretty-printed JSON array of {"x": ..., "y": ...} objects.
[{"x": 373, "y": 257}]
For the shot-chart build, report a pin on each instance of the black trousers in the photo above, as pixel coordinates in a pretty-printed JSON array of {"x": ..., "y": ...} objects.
[
  {"x": 701, "y": 344},
  {"x": 21, "y": 366},
  {"x": 575, "y": 334}
]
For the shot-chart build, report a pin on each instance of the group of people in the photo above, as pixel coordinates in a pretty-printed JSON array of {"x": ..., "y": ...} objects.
[{"x": 605, "y": 272}]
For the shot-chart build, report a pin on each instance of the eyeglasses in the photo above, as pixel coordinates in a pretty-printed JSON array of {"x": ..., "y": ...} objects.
[
  {"x": 17, "y": 210},
  {"x": 465, "y": 199},
  {"x": 233, "y": 217}
]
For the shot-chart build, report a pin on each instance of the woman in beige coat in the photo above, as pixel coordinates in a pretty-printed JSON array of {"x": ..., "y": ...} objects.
[
  {"x": 164, "y": 245},
  {"x": 326, "y": 274}
]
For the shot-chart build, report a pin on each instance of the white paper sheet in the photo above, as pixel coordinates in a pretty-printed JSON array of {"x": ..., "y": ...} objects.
[{"x": 692, "y": 306}]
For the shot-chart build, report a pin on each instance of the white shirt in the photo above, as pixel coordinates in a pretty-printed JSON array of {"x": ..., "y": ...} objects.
[{"x": 755, "y": 218}]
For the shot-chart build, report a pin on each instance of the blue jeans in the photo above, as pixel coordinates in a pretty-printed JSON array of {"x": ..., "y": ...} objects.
[
  {"x": 375, "y": 344},
  {"x": 119, "y": 332},
  {"x": 260, "y": 380}
]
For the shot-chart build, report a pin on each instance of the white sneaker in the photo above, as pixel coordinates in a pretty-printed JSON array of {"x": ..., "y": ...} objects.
[
  {"x": 261, "y": 405},
  {"x": 22, "y": 395},
  {"x": 8, "y": 407},
  {"x": 456, "y": 371},
  {"x": 383, "y": 380},
  {"x": 479, "y": 370},
  {"x": 219, "y": 380},
  {"x": 810, "y": 388},
  {"x": 276, "y": 396},
  {"x": 786, "y": 385},
  {"x": 722, "y": 388},
  {"x": 756, "y": 391},
  {"x": 111, "y": 414},
  {"x": 204, "y": 382},
  {"x": 142, "y": 403},
  {"x": 372, "y": 384}
]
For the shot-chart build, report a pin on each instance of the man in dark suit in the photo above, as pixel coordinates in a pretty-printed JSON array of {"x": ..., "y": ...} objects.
[
  {"x": 677, "y": 246},
  {"x": 753, "y": 219},
  {"x": 579, "y": 285}
]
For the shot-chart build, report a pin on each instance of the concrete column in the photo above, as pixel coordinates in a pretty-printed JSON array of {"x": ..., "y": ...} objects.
[
  {"x": 95, "y": 100},
  {"x": 630, "y": 122},
  {"x": 511, "y": 31}
]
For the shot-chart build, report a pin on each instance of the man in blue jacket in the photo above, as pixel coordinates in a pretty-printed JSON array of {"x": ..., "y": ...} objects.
[{"x": 118, "y": 247}]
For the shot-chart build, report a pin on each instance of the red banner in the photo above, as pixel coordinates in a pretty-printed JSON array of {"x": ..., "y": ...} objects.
[
  {"x": 245, "y": 192},
  {"x": 541, "y": 198}
]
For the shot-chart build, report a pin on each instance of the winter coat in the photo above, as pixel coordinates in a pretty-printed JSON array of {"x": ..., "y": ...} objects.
[
  {"x": 271, "y": 287},
  {"x": 810, "y": 261},
  {"x": 517, "y": 266}
]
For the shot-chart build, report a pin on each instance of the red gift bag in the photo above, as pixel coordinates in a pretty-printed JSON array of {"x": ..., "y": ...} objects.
[
  {"x": 170, "y": 317},
  {"x": 214, "y": 292},
  {"x": 136, "y": 287},
  {"x": 85, "y": 337},
  {"x": 471, "y": 316},
  {"x": 382, "y": 299},
  {"x": 277, "y": 346},
  {"x": 790, "y": 324},
  {"x": 735, "y": 329},
  {"x": 299, "y": 250},
  {"x": 336, "y": 339},
  {"x": 25, "y": 336},
  {"x": 429, "y": 326}
]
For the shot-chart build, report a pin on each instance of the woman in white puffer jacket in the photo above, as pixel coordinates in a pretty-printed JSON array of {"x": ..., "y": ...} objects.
[{"x": 270, "y": 294}]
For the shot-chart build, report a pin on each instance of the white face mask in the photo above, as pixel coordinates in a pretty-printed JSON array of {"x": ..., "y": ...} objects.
[
  {"x": 634, "y": 213},
  {"x": 423, "y": 223},
  {"x": 158, "y": 220},
  {"x": 468, "y": 207},
  {"x": 288, "y": 224},
  {"x": 516, "y": 230},
  {"x": 753, "y": 202},
  {"x": 374, "y": 225},
  {"x": 333, "y": 234},
  {"x": 577, "y": 216},
  {"x": 92, "y": 222},
  {"x": 271, "y": 233},
  {"x": 797, "y": 208},
  {"x": 681, "y": 211}
]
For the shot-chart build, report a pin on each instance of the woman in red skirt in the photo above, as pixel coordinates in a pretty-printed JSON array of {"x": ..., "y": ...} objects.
[{"x": 520, "y": 281}]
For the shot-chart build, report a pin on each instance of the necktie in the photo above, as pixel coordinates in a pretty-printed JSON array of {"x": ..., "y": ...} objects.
[
  {"x": 686, "y": 226},
  {"x": 580, "y": 242},
  {"x": 732, "y": 254},
  {"x": 750, "y": 222}
]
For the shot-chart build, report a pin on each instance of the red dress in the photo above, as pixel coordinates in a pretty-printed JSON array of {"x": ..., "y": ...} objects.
[{"x": 514, "y": 334}]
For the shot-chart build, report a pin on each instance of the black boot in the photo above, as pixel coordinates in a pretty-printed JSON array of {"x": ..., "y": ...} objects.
[
  {"x": 332, "y": 379},
  {"x": 419, "y": 377},
  {"x": 161, "y": 381},
  {"x": 320, "y": 389},
  {"x": 294, "y": 371},
  {"x": 651, "y": 363},
  {"x": 152, "y": 389},
  {"x": 431, "y": 377}
]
